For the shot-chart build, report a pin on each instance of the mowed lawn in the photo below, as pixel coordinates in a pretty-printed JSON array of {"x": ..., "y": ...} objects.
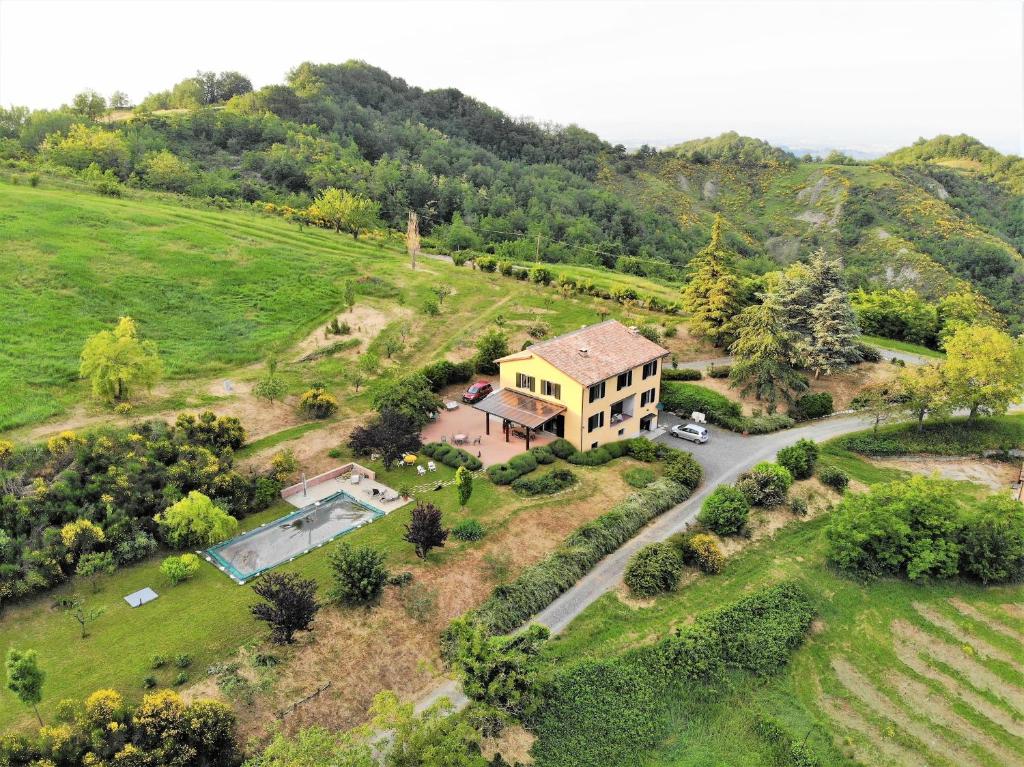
[{"x": 891, "y": 670}]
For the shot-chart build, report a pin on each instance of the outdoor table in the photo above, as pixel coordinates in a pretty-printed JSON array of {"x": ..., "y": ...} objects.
[
  {"x": 460, "y": 438},
  {"x": 409, "y": 459},
  {"x": 451, "y": 405}
]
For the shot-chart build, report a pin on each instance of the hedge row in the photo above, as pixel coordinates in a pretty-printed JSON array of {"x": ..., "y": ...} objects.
[
  {"x": 444, "y": 373},
  {"x": 512, "y": 604},
  {"x": 685, "y": 398},
  {"x": 524, "y": 463},
  {"x": 603, "y": 712},
  {"x": 681, "y": 374},
  {"x": 452, "y": 456},
  {"x": 553, "y": 481},
  {"x": 953, "y": 437}
]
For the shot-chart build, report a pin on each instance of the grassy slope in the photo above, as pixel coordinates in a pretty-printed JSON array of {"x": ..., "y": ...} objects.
[
  {"x": 215, "y": 289},
  {"x": 854, "y": 624}
]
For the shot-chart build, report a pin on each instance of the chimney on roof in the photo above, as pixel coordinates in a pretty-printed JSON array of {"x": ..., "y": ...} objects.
[{"x": 584, "y": 351}]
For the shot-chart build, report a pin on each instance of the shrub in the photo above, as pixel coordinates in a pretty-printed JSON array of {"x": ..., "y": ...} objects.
[
  {"x": 148, "y": 682},
  {"x": 637, "y": 477},
  {"x": 502, "y": 474},
  {"x": 468, "y": 530},
  {"x": 180, "y": 569},
  {"x": 486, "y": 263},
  {"x": 834, "y": 477},
  {"x": 541, "y": 275},
  {"x": 523, "y": 463},
  {"x": 992, "y": 541},
  {"x": 430, "y": 306},
  {"x": 359, "y": 575},
  {"x": 180, "y": 679},
  {"x": 511, "y": 604},
  {"x": 643, "y": 449},
  {"x": 596, "y": 457},
  {"x": 451, "y": 456},
  {"x": 725, "y": 511},
  {"x": 705, "y": 554},
  {"x": 553, "y": 481},
  {"x": 719, "y": 371},
  {"x": 562, "y": 448},
  {"x": 685, "y": 398},
  {"x": 543, "y": 454},
  {"x": 683, "y": 468},
  {"x": 868, "y": 353},
  {"x": 653, "y": 570},
  {"x": 799, "y": 458},
  {"x": 798, "y": 507},
  {"x": 766, "y": 484},
  {"x": 157, "y": 661},
  {"x": 183, "y": 660},
  {"x": 810, "y": 406},
  {"x": 681, "y": 374},
  {"x": 317, "y": 402}
]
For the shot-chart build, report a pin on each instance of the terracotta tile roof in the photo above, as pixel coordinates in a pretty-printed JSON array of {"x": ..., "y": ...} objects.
[{"x": 611, "y": 348}]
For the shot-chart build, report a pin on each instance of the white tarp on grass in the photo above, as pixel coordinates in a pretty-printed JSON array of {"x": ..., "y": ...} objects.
[{"x": 140, "y": 597}]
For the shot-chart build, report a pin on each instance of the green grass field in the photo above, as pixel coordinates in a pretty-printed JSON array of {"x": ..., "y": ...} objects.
[
  {"x": 893, "y": 673},
  {"x": 903, "y": 346},
  {"x": 216, "y": 290}
]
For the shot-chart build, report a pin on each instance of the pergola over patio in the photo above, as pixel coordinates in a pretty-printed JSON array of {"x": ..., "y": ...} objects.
[{"x": 513, "y": 407}]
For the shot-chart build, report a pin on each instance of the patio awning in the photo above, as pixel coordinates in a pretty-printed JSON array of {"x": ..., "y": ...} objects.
[{"x": 519, "y": 408}]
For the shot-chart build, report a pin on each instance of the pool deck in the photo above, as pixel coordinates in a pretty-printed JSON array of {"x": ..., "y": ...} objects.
[{"x": 363, "y": 492}]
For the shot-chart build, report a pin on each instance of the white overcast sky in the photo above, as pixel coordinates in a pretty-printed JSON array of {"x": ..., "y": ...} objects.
[{"x": 859, "y": 75}]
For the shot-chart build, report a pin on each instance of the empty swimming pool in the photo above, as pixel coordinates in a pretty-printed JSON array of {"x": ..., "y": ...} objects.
[{"x": 247, "y": 555}]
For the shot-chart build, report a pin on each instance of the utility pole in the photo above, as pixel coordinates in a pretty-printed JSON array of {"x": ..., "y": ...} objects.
[
  {"x": 537, "y": 256},
  {"x": 412, "y": 236}
]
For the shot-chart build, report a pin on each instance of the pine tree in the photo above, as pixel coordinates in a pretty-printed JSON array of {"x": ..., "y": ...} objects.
[
  {"x": 833, "y": 333},
  {"x": 714, "y": 295},
  {"x": 766, "y": 355}
]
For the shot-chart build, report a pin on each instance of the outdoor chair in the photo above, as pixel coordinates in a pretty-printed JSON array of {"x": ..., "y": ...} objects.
[
  {"x": 444, "y": 439},
  {"x": 420, "y": 470},
  {"x": 356, "y": 478},
  {"x": 431, "y": 466},
  {"x": 477, "y": 440}
]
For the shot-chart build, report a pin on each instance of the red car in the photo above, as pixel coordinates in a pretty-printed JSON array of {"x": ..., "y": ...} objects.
[{"x": 477, "y": 392}]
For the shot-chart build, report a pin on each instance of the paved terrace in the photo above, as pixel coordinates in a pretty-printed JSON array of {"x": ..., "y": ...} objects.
[{"x": 492, "y": 448}]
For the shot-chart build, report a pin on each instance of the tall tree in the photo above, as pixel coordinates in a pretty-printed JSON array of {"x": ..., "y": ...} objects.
[
  {"x": 195, "y": 521},
  {"x": 115, "y": 361},
  {"x": 289, "y": 604},
  {"x": 833, "y": 334},
  {"x": 923, "y": 392},
  {"x": 984, "y": 370},
  {"x": 464, "y": 484},
  {"x": 880, "y": 401},
  {"x": 765, "y": 354},
  {"x": 714, "y": 295},
  {"x": 425, "y": 530},
  {"x": 25, "y": 678},
  {"x": 391, "y": 435}
]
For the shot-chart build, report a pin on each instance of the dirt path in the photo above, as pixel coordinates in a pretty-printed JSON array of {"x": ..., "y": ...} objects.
[{"x": 996, "y": 475}]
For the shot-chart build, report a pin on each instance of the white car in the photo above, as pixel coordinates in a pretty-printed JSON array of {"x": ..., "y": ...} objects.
[{"x": 691, "y": 432}]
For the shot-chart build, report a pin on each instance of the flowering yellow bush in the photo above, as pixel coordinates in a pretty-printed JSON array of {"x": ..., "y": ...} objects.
[
  {"x": 103, "y": 707},
  {"x": 707, "y": 554},
  {"x": 61, "y": 443}
]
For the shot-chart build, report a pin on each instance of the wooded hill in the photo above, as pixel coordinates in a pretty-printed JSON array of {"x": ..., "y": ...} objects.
[{"x": 931, "y": 217}]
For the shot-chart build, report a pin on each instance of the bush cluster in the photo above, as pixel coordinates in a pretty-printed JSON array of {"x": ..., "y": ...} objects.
[
  {"x": 599, "y": 456},
  {"x": 452, "y": 456},
  {"x": 512, "y": 604},
  {"x": 953, "y": 437},
  {"x": 719, "y": 371},
  {"x": 468, "y": 530},
  {"x": 686, "y": 398},
  {"x": 681, "y": 374},
  {"x": 809, "y": 406},
  {"x": 766, "y": 484},
  {"x": 507, "y": 473},
  {"x": 638, "y": 477},
  {"x": 317, "y": 402},
  {"x": 551, "y": 482},
  {"x": 725, "y": 510},
  {"x": 799, "y": 458},
  {"x": 444, "y": 373},
  {"x": 920, "y": 530},
  {"x": 654, "y": 569}
]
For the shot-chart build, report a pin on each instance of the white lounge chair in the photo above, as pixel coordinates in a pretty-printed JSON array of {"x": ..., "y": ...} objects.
[
  {"x": 431, "y": 466},
  {"x": 356, "y": 479},
  {"x": 420, "y": 470}
]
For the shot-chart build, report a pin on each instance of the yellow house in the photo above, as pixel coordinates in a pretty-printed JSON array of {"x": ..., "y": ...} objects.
[{"x": 594, "y": 385}]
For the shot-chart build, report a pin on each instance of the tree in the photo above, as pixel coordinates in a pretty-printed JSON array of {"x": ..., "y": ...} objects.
[
  {"x": 180, "y": 569},
  {"x": 923, "y": 392},
  {"x": 360, "y": 575},
  {"x": 315, "y": 747},
  {"x": 410, "y": 396},
  {"x": 984, "y": 370},
  {"x": 83, "y": 616},
  {"x": 120, "y": 100},
  {"x": 391, "y": 345},
  {"x": 463, "y": 484},
  {"x": 290, "y": 604},
  {"x": 115, "y": 361},
  {"x": 195, "y": 521},
  {"x": 348, "y": 294},
  {"x": 799, "y": 458},
  {"x": 492, "y": 345},
  {"x": 270, "y": 388},
  {"x": 391, "y": 435},
  {"x": 499, "y": 670},
  {"x": 765, "y": 355},
  {"x": 165, "y": 170},
  {"x": 345, "y": 211},
  {"x": 25, "y": 678},
  {"x": 833, "y": 332},
  {"x": 91, "y": 566},
  {"x": 89, "y": 104},
  {"x": 434, "y": 738},
  {"x": 425, "y": 530},
  {"x": 81, "y": 536},
  {"x": 714, "y": 295},
  {"x": 442, "y": 292},
  {"x": 879, "y": 401}
]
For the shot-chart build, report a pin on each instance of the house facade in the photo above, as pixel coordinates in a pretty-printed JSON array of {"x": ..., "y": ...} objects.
[{"x": 592, "y": 386}]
